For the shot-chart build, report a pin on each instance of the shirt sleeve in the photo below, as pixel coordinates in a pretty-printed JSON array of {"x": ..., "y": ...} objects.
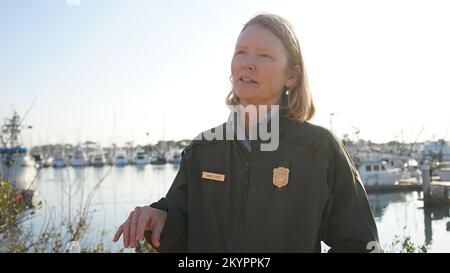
[
  {"x": 174, "y": 235},
  {"x": 349, "y": 225}
]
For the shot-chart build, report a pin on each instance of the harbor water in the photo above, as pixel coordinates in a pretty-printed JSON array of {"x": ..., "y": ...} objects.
[{"x": 118, "y": 190}]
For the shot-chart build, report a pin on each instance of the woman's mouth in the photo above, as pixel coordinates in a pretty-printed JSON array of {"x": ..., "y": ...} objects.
[{"x": 247, "y": 80}]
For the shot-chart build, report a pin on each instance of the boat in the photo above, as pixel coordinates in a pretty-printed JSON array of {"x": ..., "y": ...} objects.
[
  {"x": 380, "y": 175},
  {"x": 175, "y": 158},
  {"x": 435, "y": 192},
  {"x": 38, "y": 158},
  {"x": 411, "y": 173},
  {"x": 120, "y": 158},
  {"x": 141, "y": 158},
  {"x": 78, "y": 159},
  {"x": 59, "y": 161},
  {"x": 98, "y": 159},
  {"x": 47, "y": 162},
  {"x": 443, "y": 171},
  {"x": 444, "y": 174},
  {"x": 158, "y": 158},
  {"x": 17, "y": 167},
  {"x": 375, "y": 172},
  {"x": 439, "y": 150}
]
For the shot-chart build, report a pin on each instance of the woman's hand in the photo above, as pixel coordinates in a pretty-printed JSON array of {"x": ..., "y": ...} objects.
[{"x": 140, "y": 220}]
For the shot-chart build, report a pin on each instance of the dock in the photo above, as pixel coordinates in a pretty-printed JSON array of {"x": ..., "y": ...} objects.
[
  {"x": 402, "y": 185},
  {"x": 393, "y": 188},
  {"x": 435, "y": 192}
]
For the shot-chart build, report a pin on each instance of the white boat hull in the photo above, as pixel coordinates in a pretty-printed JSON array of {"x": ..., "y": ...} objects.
[
  {"x": 97, "y": 160},
  {"x": 20, "y": 172},
  {"x": 120, "y": 161},
  {"x": 58, "y": 163},
  {"x": 97, "y": 163},
  {"x": 141, "y": 162},
  {"x": 79, "y": 162},
  {"x": 380, "y": 179}
]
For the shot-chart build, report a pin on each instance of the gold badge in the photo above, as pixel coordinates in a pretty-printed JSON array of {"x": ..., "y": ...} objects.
[
  {"x": 280, "y": 177},
  {"x": 213, "y": 176}
]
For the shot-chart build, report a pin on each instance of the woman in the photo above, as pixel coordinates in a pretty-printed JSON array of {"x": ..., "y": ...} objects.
[{"x": 233, "y": 196}]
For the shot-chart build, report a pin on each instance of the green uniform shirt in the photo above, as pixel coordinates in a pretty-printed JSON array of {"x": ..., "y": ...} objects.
[{"x": 323, "y": 200}]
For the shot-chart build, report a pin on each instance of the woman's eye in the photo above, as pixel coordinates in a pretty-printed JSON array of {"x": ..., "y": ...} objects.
[
  {"x": 266, "y": 56},
  {"x": 239, "y": 52}
]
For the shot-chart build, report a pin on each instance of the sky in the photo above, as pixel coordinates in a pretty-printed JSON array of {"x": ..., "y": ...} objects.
[{"x": 114, "y": 71}]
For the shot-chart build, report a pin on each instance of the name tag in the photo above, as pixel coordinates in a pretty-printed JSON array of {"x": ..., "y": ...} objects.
[{"x": 213, "y": 176}]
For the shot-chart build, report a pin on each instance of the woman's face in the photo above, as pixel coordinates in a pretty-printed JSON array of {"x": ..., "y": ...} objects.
[{"x": 259, "y": 67}]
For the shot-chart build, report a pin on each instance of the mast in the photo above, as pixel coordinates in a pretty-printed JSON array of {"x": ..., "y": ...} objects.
[{"x": 10, "y": 132}]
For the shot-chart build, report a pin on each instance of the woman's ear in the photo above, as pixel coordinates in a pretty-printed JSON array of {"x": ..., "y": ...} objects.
[{"x": 293, "y": 77}]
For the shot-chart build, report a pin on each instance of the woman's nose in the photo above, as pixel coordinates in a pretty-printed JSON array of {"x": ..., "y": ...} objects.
[
  {"x": 251, "y": 67},
  {"x": 249, "y": 64}
]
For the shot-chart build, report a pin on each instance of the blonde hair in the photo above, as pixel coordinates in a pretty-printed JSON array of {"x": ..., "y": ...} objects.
[{"x": 296, "y": 103}]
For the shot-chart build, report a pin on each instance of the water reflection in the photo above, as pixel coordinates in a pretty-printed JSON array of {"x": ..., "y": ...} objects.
[
  {"x": 404, "y": 214},
  {"x": 379, "y": 202},
  {"x": 124, "y": 188},
  {"x": 433, "y": 214}
]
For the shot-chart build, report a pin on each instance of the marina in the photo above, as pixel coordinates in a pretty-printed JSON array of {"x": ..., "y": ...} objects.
[
  {"x": 396, "y": 213},
  {"x": 99, "y": 99},
  {"x": 409, "y": 194}
]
